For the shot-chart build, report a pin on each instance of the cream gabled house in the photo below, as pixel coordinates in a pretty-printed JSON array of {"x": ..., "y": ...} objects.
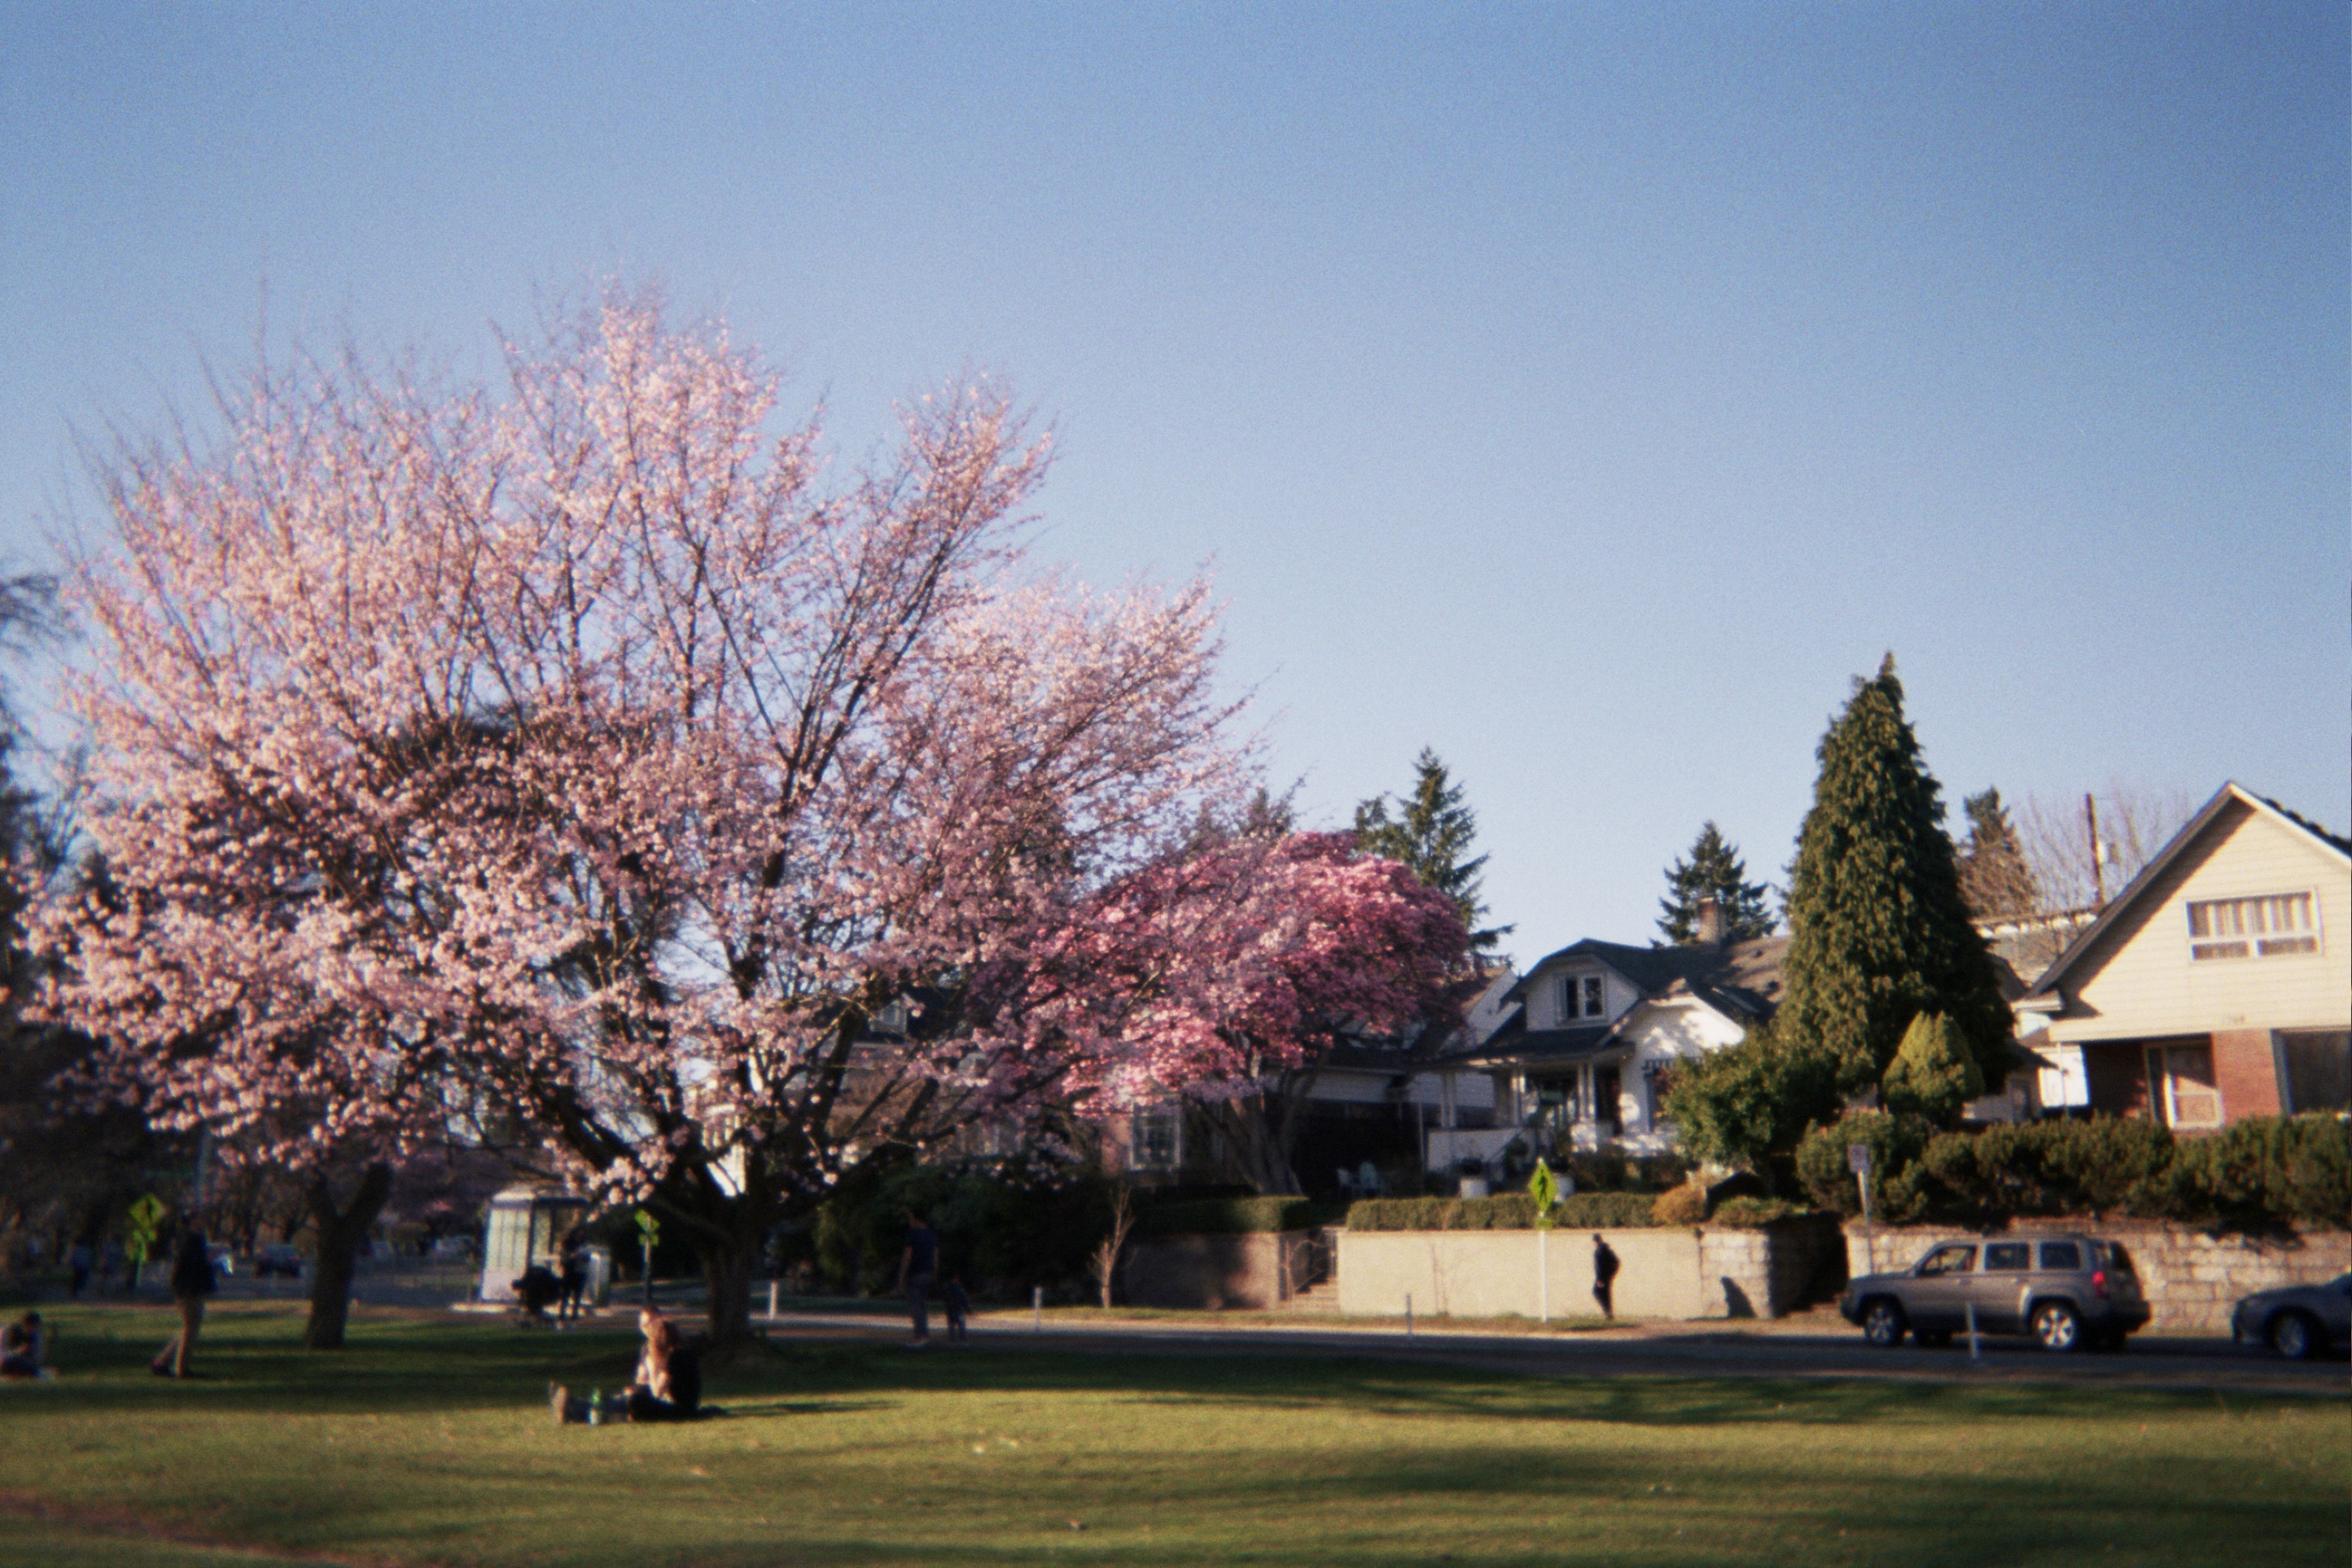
[{"x": 2217, "y": 985}]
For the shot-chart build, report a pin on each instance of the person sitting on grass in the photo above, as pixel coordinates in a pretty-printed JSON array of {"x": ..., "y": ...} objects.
[
  {"x": 669, "y": 1374},
  {"x": 21, "y": 1345},
  {"x": 535, "y": 1290}
]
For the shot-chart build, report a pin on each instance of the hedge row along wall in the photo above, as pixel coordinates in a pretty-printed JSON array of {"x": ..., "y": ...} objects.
[
  {"x": 1509, "y": 1211},
  {"x": 2266, "y": 1174},
  {"x": 1236, "y": 1217}
]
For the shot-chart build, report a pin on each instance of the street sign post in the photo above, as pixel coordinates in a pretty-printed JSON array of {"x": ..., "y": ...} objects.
[{"x": 1857, "y": 1158}]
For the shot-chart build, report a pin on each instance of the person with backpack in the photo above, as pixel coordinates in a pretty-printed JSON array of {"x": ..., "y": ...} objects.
[{"x": 1605, "y": 1277}]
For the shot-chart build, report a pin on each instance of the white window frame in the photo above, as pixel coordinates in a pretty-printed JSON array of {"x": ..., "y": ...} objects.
[
  {"x": 1596, "y": 997},
  {"x": 1138, "y": 1142},
  {"x": 2163, "y": 1084},
  {"x": 2254, "y": 929}
]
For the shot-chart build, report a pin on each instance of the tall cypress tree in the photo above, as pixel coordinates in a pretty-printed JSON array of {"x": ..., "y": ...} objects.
[
  {"x": 1713, "y": 869},
  {"x": 1877, "y": 930},
  {"x": 1431, "y": 833}
]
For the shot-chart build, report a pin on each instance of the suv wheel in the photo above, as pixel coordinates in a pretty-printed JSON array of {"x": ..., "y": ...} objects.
[
  {"x": 2291, "y": 1336},
  {"x": 2058, "y": 1328},
  {"x": 1882, "y": 1323}
]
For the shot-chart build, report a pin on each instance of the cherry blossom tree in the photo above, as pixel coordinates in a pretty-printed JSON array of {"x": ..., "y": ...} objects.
[
  {"x": 581, "y": 765},
  {"x": 1235, "y": 968}
]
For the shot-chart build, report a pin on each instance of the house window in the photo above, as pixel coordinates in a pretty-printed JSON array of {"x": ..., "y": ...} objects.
[
  {"x": 1157, "y": 1139},
  {"x": 2181, "y": 1078},
  {"x": 1594, "y": 1003},
  {"x": 2318, "y": 1070},
  {"x": 2272, "y": 927}
]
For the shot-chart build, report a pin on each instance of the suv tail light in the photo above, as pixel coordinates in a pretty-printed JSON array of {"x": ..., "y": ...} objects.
[{"x": 2099, "y": 1282}]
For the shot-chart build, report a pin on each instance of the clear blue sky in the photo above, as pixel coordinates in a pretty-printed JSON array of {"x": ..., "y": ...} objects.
[{"x": 1589, "y": 391}]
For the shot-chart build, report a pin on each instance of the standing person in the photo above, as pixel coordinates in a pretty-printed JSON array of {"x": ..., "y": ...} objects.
[
  {"x": 575, "y": 1275},
  {"x": 79, "y": 1261},
  {"x": 918, "y": 1267},
  {"x": 952, "y": 1296},
  {"x": 1605, "y": 1277},
  {"x": 192, "y": 1281}
]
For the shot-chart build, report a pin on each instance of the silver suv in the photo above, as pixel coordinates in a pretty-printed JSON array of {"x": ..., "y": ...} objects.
[{"x": 2068, "y": 1292}]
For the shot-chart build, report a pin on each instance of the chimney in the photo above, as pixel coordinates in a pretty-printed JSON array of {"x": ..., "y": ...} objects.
[{"x": 1710, "y": 923}]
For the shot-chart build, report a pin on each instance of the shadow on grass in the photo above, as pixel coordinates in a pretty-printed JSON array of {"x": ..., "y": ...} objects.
[{"x": 252, "y": 1359}]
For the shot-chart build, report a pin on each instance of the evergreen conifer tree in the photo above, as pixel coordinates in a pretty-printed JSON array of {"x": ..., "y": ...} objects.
[
  {"x": 1713, "y": 869},
  {"x": 1877, "y": 931},
  {"x": 1933, "y": 1074},
  {"x": 1994, "y": 878},
  {"x": 1431, "y": 834}
]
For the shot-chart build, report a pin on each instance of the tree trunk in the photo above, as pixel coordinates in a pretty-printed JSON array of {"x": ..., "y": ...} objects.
[
  {"x": 340, "y": 1234},
  {"x": 726, "y": 1273},
  {"x": 1260, "y": 1132}
]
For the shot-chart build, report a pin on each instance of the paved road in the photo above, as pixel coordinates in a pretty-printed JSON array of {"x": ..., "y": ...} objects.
[{"x": 1804, "y": 1351}]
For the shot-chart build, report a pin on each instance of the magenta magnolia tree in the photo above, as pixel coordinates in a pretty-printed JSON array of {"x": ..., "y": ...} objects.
[{"x": 1237, "y": 967}]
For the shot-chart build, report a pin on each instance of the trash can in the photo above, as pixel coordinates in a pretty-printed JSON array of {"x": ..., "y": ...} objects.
[{"x": 599, "y": 1259}]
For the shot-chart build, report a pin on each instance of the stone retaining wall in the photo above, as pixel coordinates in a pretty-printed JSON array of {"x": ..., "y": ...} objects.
[
  {"x": 1771, "y": 1272},
  {"x": 1252, "y": 1271},
  {"x": 2191, "y": 1277}
]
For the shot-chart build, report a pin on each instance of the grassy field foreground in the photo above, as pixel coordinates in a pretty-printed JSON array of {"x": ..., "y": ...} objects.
[{"x": 429, "y": 1442}]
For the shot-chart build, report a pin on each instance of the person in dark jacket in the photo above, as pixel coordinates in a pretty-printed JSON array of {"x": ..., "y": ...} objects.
[
  {"x": 21, "y": 1347},
  {"x": 918, "y": 1267},
  {"x": 192, "y": 1281},
  {"x": 1605, "y": 1277},
  {"x": 574, "y": 1257}
]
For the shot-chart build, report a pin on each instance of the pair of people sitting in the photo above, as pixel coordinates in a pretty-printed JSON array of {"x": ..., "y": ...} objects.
[{"x": 668, "y": 1382}]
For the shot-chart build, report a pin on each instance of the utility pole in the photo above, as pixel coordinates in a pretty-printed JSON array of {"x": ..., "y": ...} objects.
[{"x": 2099, "y": 865}]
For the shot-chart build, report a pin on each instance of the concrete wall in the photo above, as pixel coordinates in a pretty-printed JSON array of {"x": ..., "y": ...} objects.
[
  {"x": 1214, "y": 1272},
  {"x": 1664, "y": 1273},
  {"x": 2191, "y": 1279}
]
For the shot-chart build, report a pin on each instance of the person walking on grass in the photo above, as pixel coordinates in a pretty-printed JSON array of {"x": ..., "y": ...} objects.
[
  {"x": 1605, "y": 1277},
  {"x": 192, "y": 1281},
  {"x": 918, "y": 1266}
]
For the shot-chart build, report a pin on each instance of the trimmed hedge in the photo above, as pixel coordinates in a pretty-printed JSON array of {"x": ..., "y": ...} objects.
[
  {"x": 1755, "y": 1213},
  {"x": 1236, "y": 1217},
  {"x": 1509, "y": 1211},
  {"x": 2266, "y": 1172}
]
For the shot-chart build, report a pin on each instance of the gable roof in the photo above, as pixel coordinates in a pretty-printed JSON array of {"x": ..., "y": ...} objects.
[
  {"x": 1741, "y": 980},
  {"x": 1737, "y": 979},
  {"x": 2121, "y": 904}
]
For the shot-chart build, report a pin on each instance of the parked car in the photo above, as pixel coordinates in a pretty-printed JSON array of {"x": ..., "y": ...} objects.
[
  {"x": 2297, "y": 1320},
  {"x": 277, "y": 1258},
  {"x": 2070, "y": 1292}
]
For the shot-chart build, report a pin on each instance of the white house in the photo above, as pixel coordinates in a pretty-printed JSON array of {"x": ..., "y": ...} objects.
[{"x": 1595, "y": 1025}]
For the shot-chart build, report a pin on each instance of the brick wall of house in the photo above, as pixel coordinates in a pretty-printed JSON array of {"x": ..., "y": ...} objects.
[{"x": 2245, "y": 1069}]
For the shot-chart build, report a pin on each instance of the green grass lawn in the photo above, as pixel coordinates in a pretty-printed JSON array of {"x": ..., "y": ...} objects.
[{"x": 430, "y": 1441}]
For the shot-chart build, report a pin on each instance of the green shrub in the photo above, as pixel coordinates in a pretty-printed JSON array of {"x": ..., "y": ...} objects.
[
  {"x": 1685, "y": 1205},
  {"x": 2263, "y": 1174},
  {"x": 1754, "y": 1213},
  {"x": 1508, "y": 1211},
  {"x": 1896, "y": 1144},
  {"x": 1236, "y": 1217},
  {"x": 1934, "y": 1074}
]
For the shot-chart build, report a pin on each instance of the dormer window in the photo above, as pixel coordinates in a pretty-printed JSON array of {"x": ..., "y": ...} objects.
[{"x": 1582, "y": 997}]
